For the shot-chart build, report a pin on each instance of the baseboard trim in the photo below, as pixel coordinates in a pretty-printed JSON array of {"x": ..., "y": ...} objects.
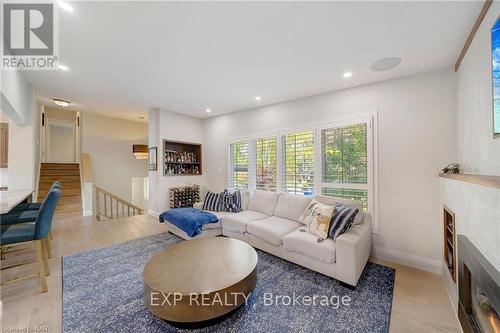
[
  {"x": 425, "y": 264},
  {"x": 153, "y": 213}
]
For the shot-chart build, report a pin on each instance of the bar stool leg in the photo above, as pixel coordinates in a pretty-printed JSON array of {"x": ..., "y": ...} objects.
[
  {"x": 45, "y": 258},
  {"x": 41, "y": 266},
  {"x": 46, "y": 243}
]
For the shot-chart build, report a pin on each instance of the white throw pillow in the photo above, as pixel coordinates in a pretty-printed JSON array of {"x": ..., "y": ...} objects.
[{"x": 318, "y": 217}]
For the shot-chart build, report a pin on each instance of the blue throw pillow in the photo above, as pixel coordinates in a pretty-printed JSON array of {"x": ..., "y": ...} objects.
[{"x": 342, "y": 220}]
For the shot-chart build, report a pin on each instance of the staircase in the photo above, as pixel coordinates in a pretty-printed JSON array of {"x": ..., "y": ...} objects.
[{"x": 68, "y": 174}]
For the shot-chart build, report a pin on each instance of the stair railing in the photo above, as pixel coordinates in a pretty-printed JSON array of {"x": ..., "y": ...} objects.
[{"x": 110, "y": 206}]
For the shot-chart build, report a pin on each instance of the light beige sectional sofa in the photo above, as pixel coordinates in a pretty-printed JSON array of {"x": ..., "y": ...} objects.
[{"x": 270, "y": 221}]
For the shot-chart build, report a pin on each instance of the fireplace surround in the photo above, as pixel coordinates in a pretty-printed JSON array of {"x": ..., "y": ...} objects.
[{"x": 478, "y": 290}]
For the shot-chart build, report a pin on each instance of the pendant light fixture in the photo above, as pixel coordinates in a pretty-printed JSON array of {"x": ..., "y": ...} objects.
[{"x": 140, "y": 151}]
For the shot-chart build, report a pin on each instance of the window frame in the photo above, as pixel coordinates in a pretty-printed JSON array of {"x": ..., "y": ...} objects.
[
  {"x": 230, "y": 169},
  {"x": 282, "y": 166},
  {"x": 370, "y": 117},
  {"x": 253, "y": 142}
]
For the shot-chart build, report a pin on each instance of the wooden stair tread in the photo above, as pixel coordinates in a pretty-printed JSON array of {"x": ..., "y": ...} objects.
[
  {"x": 64, "y": 185},
  {"x": 67, "y": 199},
  {"x": 52, "y": 166},
  {"x": 60, "y": 172},
  {"x": 67, "y": 191},
  {"x": 53, "y": 178}
]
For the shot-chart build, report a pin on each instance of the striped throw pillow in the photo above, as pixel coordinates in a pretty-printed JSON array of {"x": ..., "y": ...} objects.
[
  {"x": 231, "y": 202},
  {"x": 342, "y": 220},
  {"x": 213, "y": 202}
]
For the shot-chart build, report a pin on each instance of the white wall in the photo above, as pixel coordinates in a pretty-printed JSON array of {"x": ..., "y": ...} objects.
[
  {"x": 4, "y": 177},
  {"x": 416, "y": 124},
  {"x": 171, "y": 126},
  {"x": 23, "y": 165},
  {"x": 478, "y": 151},
  {"x": 15, "y": 96},
  {"x": 109, "y": 142}
]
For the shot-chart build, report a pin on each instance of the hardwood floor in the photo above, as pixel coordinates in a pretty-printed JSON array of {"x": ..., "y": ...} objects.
[{"x": 421, "y": 303}]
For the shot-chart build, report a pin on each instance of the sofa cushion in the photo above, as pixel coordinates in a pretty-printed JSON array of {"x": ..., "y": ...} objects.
[
  {"x": 245, "y": 199},
  {"x": 306, "y": 243},
  {"x": 291, "y": 206},
  {"x": 272, "y": 229},
  {"x": 237, "y": 222},
  {"x": 263, "y": 201}
]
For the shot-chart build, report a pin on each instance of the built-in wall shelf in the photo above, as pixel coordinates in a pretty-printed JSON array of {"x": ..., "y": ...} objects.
[
  {"x": 181, "y": 158},
  {"x": 483, "y": 180},
  {"x": 449, "y": 236}
]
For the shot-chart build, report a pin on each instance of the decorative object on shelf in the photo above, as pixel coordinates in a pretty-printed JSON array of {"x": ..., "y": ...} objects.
[
  {"x": 452, "y": 168},
  {"x": 153, "y": 159},
  {"x": 184, "y": 195},
  {"x": 181, "y": 158},
  {"x": 495, "y": 74}
]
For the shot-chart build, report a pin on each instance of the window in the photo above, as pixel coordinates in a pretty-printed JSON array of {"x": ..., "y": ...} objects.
[
  {"x": 238, "y": 165},
  {"x": 298, "y": 163},
  {"x": 344, "y": 162},
  {"x": 265, "y": 164}
]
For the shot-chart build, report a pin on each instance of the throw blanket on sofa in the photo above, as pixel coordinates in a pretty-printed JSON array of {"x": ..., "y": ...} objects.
[{"x": 189, "y": 220}]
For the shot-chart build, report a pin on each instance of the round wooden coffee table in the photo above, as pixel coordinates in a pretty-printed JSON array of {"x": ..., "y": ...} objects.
[{"x": 199, "y": 280}]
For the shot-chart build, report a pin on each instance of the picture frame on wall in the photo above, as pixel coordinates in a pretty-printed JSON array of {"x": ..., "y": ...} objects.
[
  {"x": 495, "y": 76},
  {"x": 153, "y": 159}
]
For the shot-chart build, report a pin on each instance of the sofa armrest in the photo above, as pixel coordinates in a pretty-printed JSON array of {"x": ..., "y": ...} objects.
[
  {"x": 352, "y": 251},
  {"x": 198, "y": 205}
]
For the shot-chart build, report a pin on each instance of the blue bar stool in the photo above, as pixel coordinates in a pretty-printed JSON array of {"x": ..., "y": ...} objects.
[
  {"x": 25, "y": 213},
  {"x": 17, "y": 233},
  {"x": 32, "y": 205}
]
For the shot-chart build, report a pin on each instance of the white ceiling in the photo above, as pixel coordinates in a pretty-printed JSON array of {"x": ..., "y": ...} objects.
[{"x": 128, "y": 57}]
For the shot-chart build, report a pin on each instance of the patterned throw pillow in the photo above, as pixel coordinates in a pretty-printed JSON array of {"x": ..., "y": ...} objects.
[
  {"x": 213, "y": 202},
  {"x": 231, "y": 202},
  {"x": 342, "y": 220},
  {"x": 318, "y": 216}
]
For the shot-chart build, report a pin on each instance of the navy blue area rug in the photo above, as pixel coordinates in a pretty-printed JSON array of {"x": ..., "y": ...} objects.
[{"x": 103, "y": 292}]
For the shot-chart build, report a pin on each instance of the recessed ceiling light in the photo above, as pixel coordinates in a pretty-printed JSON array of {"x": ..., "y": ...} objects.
[
  {"x": 257, "y": 98},
  {"x": 64, "y": 68},
  {"x": 208, "y": 110},
  {"x": 347, "y": 74},
  {"x": 61, "y": 102},
  {"x": 385, "y": 64},
  {"x": 66, "y": 6}
]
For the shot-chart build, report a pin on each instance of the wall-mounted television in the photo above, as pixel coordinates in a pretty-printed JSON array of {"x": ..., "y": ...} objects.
[{"x": 495, "y": 60}]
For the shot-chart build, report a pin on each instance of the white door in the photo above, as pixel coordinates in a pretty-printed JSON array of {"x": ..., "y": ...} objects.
[{"x": 60, "y": 142}]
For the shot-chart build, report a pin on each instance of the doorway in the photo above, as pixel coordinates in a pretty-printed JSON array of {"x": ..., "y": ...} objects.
[
  {"x": 60, "y": 141},
  {"x": 60, "y": 134}
]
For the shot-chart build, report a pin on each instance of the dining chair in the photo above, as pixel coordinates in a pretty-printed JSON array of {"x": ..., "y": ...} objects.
[{"x": 36, "y": 232}]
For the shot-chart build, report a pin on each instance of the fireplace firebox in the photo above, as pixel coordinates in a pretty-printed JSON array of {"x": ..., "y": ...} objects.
[{"x": 478, "y": 290}]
